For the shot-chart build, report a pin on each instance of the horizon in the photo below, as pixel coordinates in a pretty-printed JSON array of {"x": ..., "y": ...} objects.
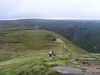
[{"x": 48, "y": 19}]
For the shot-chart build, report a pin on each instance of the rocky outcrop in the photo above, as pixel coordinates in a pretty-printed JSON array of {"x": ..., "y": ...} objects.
[{"x": 68, "y": 70}]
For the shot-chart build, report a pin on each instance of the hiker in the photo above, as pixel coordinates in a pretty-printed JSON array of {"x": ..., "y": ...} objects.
[{"x": 51, "y": 53}]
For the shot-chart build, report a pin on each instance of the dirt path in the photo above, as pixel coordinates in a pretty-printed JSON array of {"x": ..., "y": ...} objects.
[
  {"x": 61, "y": 41},
  {"x": 94, "y": 68}
]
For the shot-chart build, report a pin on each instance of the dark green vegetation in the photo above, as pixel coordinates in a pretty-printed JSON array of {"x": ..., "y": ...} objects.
[
  {"x": 25, "y": 52},
  {"x": 82, "y": 33}
]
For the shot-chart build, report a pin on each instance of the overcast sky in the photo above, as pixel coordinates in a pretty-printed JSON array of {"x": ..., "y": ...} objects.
[{"x": 50, "y": 9}]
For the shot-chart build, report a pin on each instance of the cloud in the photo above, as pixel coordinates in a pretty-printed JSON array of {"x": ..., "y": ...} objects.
[{"x": 82, "y": 9}]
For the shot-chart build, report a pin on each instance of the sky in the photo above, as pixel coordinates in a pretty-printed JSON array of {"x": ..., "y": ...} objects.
[{"x": 49, "y": 9}]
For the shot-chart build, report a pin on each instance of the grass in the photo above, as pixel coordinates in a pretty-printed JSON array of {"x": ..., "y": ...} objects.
[
  {"x": 31, "y": 62},
  {"x": 30, "y": 39},
  {"x": 26, "y": 52}
]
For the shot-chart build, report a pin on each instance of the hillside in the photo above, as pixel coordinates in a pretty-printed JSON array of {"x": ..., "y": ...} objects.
[
  {"x": 83, "y": 33},
  {"x": 26, "y": 52}
]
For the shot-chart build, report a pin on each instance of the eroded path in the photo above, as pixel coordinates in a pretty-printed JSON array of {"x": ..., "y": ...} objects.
[{"x": 61, "y": 41}]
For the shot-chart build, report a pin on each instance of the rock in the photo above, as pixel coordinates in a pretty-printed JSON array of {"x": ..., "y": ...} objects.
[{"x": 68, "y": 70}]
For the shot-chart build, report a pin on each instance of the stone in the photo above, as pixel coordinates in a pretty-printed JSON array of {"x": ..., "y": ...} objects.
[{"x": 68, "y": 70}]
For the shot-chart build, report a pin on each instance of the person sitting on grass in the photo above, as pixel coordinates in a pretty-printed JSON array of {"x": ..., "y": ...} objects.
[{"x": 51, "y": 53}]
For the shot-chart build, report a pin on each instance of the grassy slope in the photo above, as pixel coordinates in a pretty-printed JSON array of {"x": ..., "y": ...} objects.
[{"x": 28, "y": 51}]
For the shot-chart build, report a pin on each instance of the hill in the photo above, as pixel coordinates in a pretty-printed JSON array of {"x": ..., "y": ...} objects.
[
  {"x": 83, "y": 33},
  {"x": 26, "y": 52}
]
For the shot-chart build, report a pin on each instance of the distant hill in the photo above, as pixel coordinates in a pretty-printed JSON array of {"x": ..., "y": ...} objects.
[{"x": 83, "y": 33}]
